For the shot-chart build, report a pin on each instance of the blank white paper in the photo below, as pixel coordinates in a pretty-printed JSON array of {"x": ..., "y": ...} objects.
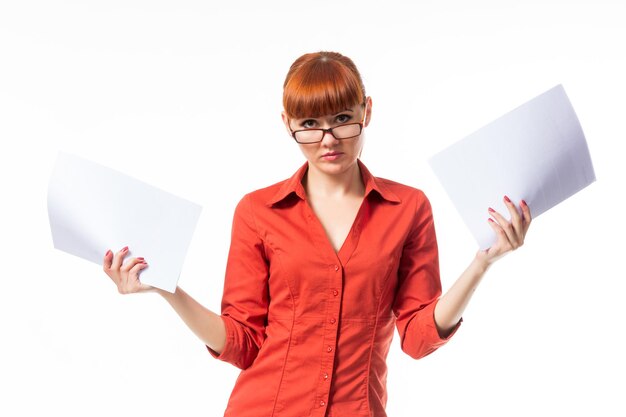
[
  {"x": 92, "y": 208},
  {"x": 536, "y": 152}
]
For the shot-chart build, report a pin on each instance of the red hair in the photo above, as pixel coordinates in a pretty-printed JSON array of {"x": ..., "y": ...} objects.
[{"x": 322, "y": 83}]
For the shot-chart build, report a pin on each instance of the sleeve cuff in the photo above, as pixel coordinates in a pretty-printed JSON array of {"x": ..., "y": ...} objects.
[
  {"x": 429, "y": 328},
  {"x": 226, "y": 351}
]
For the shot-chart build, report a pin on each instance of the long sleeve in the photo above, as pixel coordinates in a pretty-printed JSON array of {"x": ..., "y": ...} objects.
[
  {"x": 419, "y": 286},
  {"x": 246, "y": 298}
]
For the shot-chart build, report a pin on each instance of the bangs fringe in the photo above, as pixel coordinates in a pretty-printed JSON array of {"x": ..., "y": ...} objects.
[{"x": 322, "y": 87}]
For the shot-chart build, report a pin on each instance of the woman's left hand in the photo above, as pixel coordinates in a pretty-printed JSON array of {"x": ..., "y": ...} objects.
[{"x": 510, "y": 234}]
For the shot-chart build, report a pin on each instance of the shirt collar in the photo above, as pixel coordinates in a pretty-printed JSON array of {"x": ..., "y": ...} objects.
[{"x": 294, "y": 186}]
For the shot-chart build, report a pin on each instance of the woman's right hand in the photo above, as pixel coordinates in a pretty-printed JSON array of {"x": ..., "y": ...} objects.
[{"x": 125, "y": 277}]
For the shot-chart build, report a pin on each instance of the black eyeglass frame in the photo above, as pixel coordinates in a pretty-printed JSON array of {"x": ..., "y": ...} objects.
[{"x": 329, "y": 130}]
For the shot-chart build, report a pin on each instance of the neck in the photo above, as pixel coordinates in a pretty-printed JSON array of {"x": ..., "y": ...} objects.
[{"x": 319, "y": 184}]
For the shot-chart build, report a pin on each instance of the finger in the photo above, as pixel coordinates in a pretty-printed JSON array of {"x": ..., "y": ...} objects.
[
  {"x": 127, "y": 280},
  {"x": 130, "y": 263},
  {"x": 134, "y": 271},
  {"x": 106, "y": 266},
  {"x": 128, "y": 283},
  {"x": 133, "y": 276},
  {"x": 108, "y": 260},
  {"x": 119, "y": 258},
  {"x": 501, "y": 247},
  {"x": 516, "y": 219},
  {"x": 526, "y": 215},
  {"x": 516, "y": 223},
  {"x": 496, "y": 227},
  {"x": 503, "y": 240},
  {"x": 505, "y": 227}
]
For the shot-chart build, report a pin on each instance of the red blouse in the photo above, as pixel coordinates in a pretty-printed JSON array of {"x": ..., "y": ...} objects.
[{"x": 311, "y": 328}]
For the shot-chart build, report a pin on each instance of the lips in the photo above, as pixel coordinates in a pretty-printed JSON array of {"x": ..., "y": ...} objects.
[{"x": 331, "y": 156}]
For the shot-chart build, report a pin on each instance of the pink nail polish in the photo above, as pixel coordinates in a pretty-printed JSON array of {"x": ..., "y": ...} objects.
[
  {"x": 491, "y": 210},
  {"x": 125, "y": 248},
  {"x": 507, "y": 199},
  {"x": 524, "y": 203},
  {"x": 491, "y": 220},
  {"x": 107, "y": 254}
]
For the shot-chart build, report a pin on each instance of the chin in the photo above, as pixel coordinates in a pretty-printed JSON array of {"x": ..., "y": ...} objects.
[{"x": 334, "y": 168}]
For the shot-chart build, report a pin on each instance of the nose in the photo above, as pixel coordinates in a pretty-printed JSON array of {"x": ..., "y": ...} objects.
[{"x": 328, "y": 138}]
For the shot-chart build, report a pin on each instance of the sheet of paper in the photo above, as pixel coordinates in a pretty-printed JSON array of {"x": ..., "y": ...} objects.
[
  {"x": 536, "y": 152},
  {"x": 92, "y": 208}
]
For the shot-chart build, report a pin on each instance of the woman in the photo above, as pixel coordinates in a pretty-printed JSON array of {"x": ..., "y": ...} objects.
[{"x": 323, "y": 266}]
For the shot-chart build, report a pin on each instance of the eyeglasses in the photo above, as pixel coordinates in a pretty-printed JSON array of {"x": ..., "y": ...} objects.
[{"x": 345, "y": 131}]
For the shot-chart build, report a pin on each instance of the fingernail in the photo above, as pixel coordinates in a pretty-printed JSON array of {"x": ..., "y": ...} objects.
[
  {"x": 107, "y": 254},
  {"x": 524, "y": 203},
  {"x": 507, "y": 199},
  {"x": 491, "y": 220},
  {"x": 491, "y": 210},
  {"x": 140, "y": 258},
  {"x": 125, "y": 248}
]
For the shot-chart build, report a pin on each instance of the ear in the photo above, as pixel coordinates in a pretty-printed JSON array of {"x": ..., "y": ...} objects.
[
  {"x": 368, "y": 111},
  {"x": 285, "y": 122}
]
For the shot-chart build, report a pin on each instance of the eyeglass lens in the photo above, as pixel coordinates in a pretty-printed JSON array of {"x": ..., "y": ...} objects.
[{"x": 339, "y": 132}]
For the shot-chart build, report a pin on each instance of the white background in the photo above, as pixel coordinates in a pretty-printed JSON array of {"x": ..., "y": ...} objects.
[{"x": 186, "y": 95}]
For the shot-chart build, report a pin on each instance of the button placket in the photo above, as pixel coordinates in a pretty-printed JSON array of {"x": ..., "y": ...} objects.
[{"x": 330, "y": 333}]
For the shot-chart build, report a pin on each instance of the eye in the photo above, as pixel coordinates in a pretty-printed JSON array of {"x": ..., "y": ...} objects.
[
  {"x": 343, "y": 118},
  {"x": 308, "y": 124}
]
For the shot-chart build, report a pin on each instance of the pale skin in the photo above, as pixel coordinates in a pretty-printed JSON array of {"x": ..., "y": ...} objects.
[{"x": 335, "y": 191}]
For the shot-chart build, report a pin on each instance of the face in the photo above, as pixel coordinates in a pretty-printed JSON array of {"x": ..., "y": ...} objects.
[{"x": 332, "y": 156}]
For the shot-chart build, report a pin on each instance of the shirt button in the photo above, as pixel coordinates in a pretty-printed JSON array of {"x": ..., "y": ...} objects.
[
  {"x": 322, "y": 403},
  {"x": 332, "y": 321},
  {"x": 325, "y": 375},
  {"x": 336, "y": 267},
  {"x": 335, "y": 292},
  {"x": 329, "y": 348}
]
